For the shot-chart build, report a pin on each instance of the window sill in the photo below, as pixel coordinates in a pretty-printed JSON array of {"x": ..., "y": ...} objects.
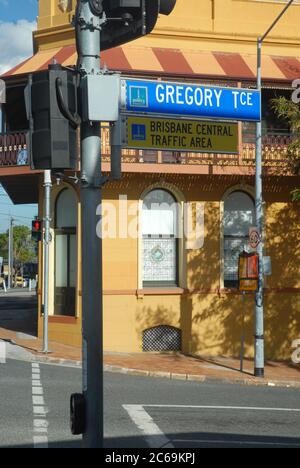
[
  {"x": 62, "y": 319},
  {"x": 160, "y": 291}
]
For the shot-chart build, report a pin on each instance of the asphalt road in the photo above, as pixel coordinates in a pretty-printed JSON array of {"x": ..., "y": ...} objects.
[
  {"x": 18, "y": 311},
  {"x": 145, "y": 412}
]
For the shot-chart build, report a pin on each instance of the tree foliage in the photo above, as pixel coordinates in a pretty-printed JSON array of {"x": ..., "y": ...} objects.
[
  {"x": 290, "y": 112},
  {"x": 23, "y": 247}
]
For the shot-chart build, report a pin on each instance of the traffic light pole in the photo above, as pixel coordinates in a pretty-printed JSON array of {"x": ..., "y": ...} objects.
[
  {"x": 88, "y": 48},
  {"x": 47, "y": 219}
]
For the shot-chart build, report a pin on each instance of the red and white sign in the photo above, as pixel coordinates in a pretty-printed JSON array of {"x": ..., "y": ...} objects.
[{"x": 254, "y": 237}]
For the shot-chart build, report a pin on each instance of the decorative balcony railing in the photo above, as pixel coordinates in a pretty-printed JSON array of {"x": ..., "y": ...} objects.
[{"x": 13, "y": 152}]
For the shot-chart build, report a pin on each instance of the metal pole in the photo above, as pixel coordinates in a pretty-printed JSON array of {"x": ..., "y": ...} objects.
[
  {"x": 88, "y": 45},
  {"x": 259, "y": 366},
  {"x": 259, "y": 299},
  {"x": 242, "y": 350},
  {"x": 276, "y": 20},
  {"x": 10, "y": 253},
  {"x": 47, "y": 219}
]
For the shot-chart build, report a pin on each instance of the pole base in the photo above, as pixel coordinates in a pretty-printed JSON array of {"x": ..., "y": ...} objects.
[{"x": 259, "y": 373}]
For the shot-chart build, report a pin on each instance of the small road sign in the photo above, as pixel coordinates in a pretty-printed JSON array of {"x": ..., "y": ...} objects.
[
  {"x": 196, "y": 136},
  {"x": 254, "y": 237},
  {"x": 190, "y": 100},
  {"x": 2, "y": 92}
]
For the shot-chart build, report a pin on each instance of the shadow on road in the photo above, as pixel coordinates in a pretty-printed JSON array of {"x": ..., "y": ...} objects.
[
  {"x": 188, "y": 441},
  {"x": 18, "y": 313}
]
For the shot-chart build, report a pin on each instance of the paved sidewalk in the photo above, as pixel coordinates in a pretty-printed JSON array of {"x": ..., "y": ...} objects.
[{"x": 169, "y": 365}]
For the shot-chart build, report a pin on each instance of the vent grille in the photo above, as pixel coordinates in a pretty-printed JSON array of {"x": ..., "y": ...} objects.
[{"x": 162, "y": 338}]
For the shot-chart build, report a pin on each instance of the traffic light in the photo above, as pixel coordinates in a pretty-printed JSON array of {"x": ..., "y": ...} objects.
[
  {"x": 51, "y": 105},
  {"x": 128, "y": 19},
  {"x": 36, "y": 230}
]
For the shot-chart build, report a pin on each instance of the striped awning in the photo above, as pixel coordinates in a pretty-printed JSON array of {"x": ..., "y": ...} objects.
[{"x": 172, "y": 62}]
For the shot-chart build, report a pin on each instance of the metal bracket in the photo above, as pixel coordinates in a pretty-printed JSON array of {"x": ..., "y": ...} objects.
[
  {"x": 259, "y": 337},
  {"x": 97, "y": 182}
]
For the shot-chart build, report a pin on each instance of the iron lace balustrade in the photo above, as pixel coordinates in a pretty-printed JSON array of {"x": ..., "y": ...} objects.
[{"x": 13, "y": 150}]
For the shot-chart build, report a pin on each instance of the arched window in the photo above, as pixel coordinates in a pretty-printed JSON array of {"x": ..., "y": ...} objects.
[
  {"x": 160, "y": 246},
  {"x": 239, "y": 216},
  {"x": 65, "y": 253}
]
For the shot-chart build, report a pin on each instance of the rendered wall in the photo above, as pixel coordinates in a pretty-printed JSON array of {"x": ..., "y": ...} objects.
[
  {"x": 220, "y": 25},
  {"x": 210, "y": 317}
]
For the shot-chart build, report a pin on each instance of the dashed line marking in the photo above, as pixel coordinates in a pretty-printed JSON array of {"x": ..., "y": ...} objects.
[{"x": 40, "y": 423}]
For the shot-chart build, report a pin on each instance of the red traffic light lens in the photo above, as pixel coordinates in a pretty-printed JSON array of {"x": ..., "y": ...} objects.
[{"x": 37, "y": 225}]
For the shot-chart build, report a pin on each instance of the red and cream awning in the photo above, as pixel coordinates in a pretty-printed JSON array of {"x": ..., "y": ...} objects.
[{"x": 172, "y": 62}]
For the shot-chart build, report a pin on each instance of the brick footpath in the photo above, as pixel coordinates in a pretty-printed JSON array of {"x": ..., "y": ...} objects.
[{"x": 168, "y": 365}]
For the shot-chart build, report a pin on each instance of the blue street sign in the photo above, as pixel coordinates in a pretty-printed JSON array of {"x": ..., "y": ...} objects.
[{"x": 190, "y": 100}]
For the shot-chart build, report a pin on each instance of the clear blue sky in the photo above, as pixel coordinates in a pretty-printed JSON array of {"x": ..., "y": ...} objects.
[{"x": 14, "y": 11}]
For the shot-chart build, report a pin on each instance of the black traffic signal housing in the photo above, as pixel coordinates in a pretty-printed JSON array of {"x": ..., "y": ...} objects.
[
  {"x": 51, "y": 104},
  {"x": 37, "y": 230},
  {"x": 129, "y": 19}
]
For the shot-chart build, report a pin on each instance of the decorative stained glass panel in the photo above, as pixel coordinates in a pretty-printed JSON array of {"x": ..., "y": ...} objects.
[{"x": 160, "y": 260}]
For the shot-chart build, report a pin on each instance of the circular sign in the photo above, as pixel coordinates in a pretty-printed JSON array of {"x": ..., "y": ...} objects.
[{"x": 254, "y": 238}]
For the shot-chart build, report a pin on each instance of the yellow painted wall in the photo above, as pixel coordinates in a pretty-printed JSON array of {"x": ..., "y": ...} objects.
[
  {"x": 210, "y": 318},
  {"x": 220, "y": 25}
]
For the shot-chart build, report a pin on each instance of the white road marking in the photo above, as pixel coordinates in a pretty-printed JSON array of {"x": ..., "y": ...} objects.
[
  {"x": 239, "y": 408},
  {"x": 157, "y": 439},
  {"x": 154, "y": 436},
  {"x": 40, "y": 424},
  {"x": 40, "y": 410},
  {"x": 2, "y": 352},
  {"x": 37, "y": 390},
  {"x": 38, "y": 400},
  {"x": 40, "y": 442},
  {"x": 36, "y": 383},
  {"x": 237, "y": 442}
]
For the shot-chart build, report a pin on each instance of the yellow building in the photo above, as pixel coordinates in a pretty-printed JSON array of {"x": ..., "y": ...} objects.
[{"x": 162, "y": 290}]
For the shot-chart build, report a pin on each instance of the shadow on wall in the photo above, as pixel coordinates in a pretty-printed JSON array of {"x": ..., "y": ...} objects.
[
  {"x": 212, "y": 322},
  {"x": 282, "y": 319},
  {"x": 218, "y": 318}
]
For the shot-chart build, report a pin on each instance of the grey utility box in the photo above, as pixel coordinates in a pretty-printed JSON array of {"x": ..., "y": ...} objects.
[{"x": 100, "y": 98}]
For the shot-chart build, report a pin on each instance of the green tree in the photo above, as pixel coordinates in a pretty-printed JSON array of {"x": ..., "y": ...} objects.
[
  {"x": 24, "y": 247},
  {"x": 290, "y": 112},
  {"x": 3, "y": 245}
]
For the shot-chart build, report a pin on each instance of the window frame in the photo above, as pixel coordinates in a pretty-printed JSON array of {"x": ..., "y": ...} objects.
[
  {"x": 161, "y": 284},
  {"x": 247, "y": 190},
  {"x": 68, "y": 231}
]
